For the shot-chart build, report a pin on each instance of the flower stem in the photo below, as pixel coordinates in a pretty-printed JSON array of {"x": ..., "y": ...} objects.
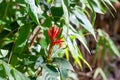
[{"x": 50, "y": 51}]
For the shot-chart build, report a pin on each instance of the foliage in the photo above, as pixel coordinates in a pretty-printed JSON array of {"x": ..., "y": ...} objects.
[{"x": 26, "y": 45}]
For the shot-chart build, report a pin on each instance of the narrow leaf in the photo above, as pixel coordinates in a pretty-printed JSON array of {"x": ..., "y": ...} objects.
[
  {"x": 101, "y": 72},
  {"x": 85, "y": 22},
  {"x": 113, "y": 47}
]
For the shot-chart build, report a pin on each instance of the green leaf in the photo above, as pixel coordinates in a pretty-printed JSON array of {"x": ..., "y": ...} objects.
[
  {"x": 3, "y": 53},
  {"x": 57, "y": 12},
  {"x": 80, "y": 37},
  {"x": 74, "y": 20},
  {"x": 71, "y": 47},
  {"x": 113, "y": 47},
  {"x": 48, "y": 22},
  {"x": 43, "y": 42},
  {"x": 34, "y": 11},
  {"x": 50, "y": 69},
  {"x": 62, "y": 63},
  {"x": 63, "y": 74},
  {"x": 108, "y": 1},
  {"x": 93, "y": 12},
  {"x": 57, "y": 50},
  {"x": 82, "y": 40},
  {"x": 39, "y": 62},
  {"x": 101, "y": 72},
  {"x": 22, "y": 39},
  {"x": 84, "y": 22},
  {"x": 17, "y": 75},
  {"x": 98, "y": 7},
  {"x": 11, "y": 73},
  {"x": 80, "y": 55},
  {"x": 7, "y": 70},
  {"x": 65, "y": 10},
  {"x": 110, "y": 42},
  {"x": 2, "y": 71}
]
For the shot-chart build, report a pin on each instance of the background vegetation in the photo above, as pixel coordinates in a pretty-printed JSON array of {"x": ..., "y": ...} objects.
[{"x": 81, "y": 35}]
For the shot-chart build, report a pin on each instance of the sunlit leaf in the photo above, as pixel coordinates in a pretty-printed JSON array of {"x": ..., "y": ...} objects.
[
  {"x": 85, "y": 22},
  {"x": 80, "y": 55},
  {"x": 3, "y": 53},
  {"x": 65, "y": 10},
  {"x": 35, "y": 11}
]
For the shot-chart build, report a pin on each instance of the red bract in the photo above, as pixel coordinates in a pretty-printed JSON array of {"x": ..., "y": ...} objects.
[{"x": 53, "y": 33}]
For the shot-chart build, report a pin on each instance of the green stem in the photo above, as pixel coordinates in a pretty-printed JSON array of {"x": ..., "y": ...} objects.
[{"x": 50, "y": 51}]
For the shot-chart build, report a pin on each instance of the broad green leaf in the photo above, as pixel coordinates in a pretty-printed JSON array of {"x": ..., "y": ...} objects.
[
  {"x": 48, "y": 22},
  {"x": 39, "y": 62},
  {"x": 47, "y": 76},
  {"x": 12, "y": 73},
  {"x": 21, "y": 1},
  {"x": 43, "y": 42},
  {"x": 63, "y": 74},
  {"x": 73, "y": 75},
  {"x": 22, "y": 39},
  {"x": 17, "y": 75},
  {"x": 101, "y": 72},
  {"x": 57, "y": 51},
  {"x": 7, "y": 70},
  {"x": 84, "y": 21},
  {"x": 50, "y": 69},
  {"x": 62, "y": 63},
  {"x": 3, "y": 53},
  {"x": 39, "y": 78},
  {"x": 2, "y": 78},
  {"x": 57, "y": 12}
]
